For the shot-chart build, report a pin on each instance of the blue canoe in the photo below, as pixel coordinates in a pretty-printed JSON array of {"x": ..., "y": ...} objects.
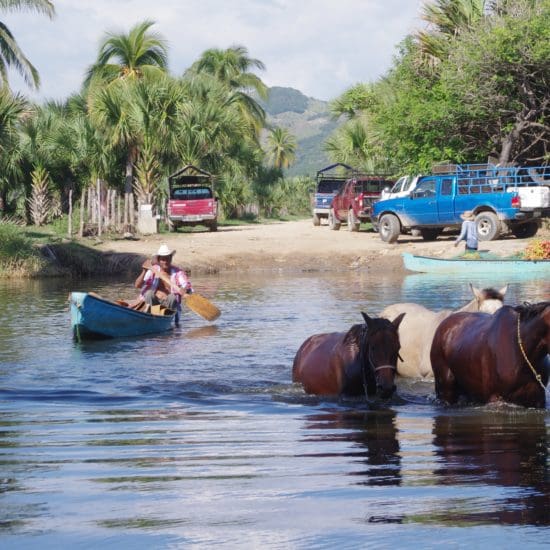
[
  {"x": 427, "y": 264},
  {"x": 93, "y": 317}
]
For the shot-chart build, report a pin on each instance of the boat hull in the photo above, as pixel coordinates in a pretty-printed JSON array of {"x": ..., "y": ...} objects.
[
  {"x": 426, "y": 264},
  {"x": 94, "y": 318}
]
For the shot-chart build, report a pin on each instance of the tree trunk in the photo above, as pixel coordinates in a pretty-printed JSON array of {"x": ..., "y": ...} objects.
[{"x": 510, "y": 140}]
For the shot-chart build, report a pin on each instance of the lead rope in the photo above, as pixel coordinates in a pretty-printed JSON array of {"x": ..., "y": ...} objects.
[
  {"x": 537, "y": 375},
  {"x": 362, "y": 359}
]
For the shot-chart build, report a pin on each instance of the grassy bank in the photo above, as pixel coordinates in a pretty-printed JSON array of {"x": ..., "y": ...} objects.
[
  {"x": 46, "y": 251},
  {"x": 30, "y": 252}
]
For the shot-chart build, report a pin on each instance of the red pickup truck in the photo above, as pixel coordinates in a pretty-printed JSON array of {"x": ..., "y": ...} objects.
[
  {"x": 191, "y": 199},
  {"x": 352, "y": 204}
]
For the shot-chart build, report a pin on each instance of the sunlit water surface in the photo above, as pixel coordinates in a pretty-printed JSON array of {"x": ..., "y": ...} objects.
[{"x": 198, "y": 438}]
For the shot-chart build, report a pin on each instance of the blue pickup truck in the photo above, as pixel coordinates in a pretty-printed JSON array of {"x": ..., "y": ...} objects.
[{"x": 502, "y": 198}]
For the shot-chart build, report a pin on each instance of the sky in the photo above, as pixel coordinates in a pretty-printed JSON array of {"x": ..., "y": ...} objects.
[{"x": 320, "y": 47}]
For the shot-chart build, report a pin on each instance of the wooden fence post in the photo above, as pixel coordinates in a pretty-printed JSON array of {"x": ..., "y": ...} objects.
[
  {"x": 82, "y": 208},
  {"x": 70, "y": 220}
]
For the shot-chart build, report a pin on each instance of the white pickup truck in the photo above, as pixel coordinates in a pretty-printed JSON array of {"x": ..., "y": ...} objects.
[{"x": 401, "y": 188}]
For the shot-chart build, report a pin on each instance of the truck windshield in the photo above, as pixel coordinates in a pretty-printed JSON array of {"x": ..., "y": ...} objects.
[
  {"x": 328, "y": 186},
  {"x": 191, "y": 193}
]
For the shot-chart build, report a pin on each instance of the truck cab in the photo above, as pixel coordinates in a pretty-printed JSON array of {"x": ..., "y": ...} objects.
[
  {"x": 353, "y": 202},
  {"x": 191, "y": 199},
  {"x": 328, "y": 181}
]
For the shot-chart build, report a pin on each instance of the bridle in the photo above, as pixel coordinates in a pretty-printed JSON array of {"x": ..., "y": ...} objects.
[
  {"x": 535, "y": 373},
  {"x": 373, "y": 367}
]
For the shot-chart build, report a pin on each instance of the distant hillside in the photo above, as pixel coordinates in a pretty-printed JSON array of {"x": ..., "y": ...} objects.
[{"x": 308, "y": 119}]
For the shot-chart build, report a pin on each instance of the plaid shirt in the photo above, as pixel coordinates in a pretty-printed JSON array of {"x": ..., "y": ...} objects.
[{"x": 178, "y": 279}]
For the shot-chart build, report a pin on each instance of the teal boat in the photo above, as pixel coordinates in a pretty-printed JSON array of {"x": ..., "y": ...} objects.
[
  {"x": 500, "y": 266},
  {"x": 93, "y": 317}
]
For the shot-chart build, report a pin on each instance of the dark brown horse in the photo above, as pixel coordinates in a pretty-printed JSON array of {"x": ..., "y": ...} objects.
[
  {"x": 360, "y": 361},
  {"x": 500, "y": 357}
]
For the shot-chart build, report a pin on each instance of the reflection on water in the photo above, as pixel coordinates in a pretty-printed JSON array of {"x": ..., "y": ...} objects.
[
  {"x": 506, "y": 450},
  {"x": 199, "y": 438},
  {"x": 373, "y": 435},
  {"x": 430, "y": 288}
]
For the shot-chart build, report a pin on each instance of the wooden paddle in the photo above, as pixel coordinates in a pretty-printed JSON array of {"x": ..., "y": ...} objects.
[{"x": 195, "y": 302}]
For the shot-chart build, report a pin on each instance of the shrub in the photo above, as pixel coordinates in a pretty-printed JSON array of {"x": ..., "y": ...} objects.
[
  {"x": 537, "y": 249},
  {"x": 14, "y": 244}
]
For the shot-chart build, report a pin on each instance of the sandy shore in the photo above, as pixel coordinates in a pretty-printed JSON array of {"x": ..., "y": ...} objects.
[{"x": 297, "y": 245}]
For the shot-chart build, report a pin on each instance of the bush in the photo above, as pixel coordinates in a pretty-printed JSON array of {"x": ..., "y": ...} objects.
[
  {"x": 14, "y": 244},
  {"x": 537, "y": 249}
]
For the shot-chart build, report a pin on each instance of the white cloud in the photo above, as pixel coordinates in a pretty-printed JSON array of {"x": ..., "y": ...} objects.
[{"x": 320, "y": 47}]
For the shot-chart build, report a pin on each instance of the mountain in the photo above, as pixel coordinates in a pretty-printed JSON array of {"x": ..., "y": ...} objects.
[{"x": 310, "y": 122}]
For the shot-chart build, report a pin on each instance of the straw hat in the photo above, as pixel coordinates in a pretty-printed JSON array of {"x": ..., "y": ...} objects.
[
  {"x": 163, "y": 251},
  {"x": 467, "y": 215}
]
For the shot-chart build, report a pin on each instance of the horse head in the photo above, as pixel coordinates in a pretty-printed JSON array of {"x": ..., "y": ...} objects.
[
  {"x": 379, "y": 351},
  {"x": 488, "y": 300}
]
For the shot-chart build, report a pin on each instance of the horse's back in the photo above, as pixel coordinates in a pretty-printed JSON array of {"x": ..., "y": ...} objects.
[
  {"x": 312, "y": 365},
  {"x": 415, "y": 335},
  {"x": 468, "y": 352}
]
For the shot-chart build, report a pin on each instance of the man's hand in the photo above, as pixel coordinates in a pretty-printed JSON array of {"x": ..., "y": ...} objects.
[{"x": 148, "y": 264}]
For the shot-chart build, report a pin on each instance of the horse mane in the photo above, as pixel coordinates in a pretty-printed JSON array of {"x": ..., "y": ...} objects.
[
  {"x": 528, "y": 311},
  {"x": 493, "y": 294},
  {"x": 353, "y": 336},
  {"x": 486, "y": 294}
]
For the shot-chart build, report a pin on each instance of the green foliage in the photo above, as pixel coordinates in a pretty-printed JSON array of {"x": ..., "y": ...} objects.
[
  {"x": 285, "y": 196},
  {"x": 14, "y": 244},
  {"x": 488, "y": 94}
]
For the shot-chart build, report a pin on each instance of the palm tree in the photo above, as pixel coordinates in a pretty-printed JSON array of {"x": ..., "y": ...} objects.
[
  {"x": 232, "y": 67},
  {"x": 446, "y": 20},
  {"x": 11, "y": 54},
  {"x": 12, "y": 110},
  {"x": 281, "y": 148},
  {"x": 130, "y": 56},
  {"x": 140, "y": 54}
]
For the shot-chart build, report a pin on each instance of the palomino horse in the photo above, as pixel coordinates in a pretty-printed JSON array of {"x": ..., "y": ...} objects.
[
  {"x": 500, "y": 357},
  {"x": 362, "y": 360},
  {"x": 417, "y": 330}
]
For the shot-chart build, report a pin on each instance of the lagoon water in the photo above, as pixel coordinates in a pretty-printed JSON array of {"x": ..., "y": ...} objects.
[{"x": 198, "y": 438}]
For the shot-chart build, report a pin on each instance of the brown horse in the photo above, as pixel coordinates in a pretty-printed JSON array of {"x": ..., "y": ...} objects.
[
  {"x": 500, "y": 357},
  {"x": 417, "y": 330},
  {"x": 362, "y": 360}
]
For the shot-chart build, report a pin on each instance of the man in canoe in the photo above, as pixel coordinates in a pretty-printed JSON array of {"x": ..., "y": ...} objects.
[{"x": 161, "y": 282}]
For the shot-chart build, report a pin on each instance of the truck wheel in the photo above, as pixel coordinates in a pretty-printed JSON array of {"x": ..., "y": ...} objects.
[
  {"x": 353, "y": 222},
  {"x": 333, "y": 222},
  {"x": 213, "y": 226},
  {"x": 316, "y": 220},
  {"x": 389, "y": 228},
  {"x": 430, "y": 234},
  {"x": 525, "y": 230},
  {"x": 488, "y": 226}
]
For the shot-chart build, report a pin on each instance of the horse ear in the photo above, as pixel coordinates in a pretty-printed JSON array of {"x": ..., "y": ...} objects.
[
  {"x": 476, "y": 292},
  {"x": 368, "y": 320},
  {"x": 503, "y": 290},
  {"x": 397, "y": 321}
]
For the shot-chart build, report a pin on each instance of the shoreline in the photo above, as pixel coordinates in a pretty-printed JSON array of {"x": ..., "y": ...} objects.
[{"x": 297, "y": 246}]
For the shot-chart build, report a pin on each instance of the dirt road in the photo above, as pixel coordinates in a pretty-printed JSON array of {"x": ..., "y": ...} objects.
[{"x": 296, "y": 245}]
